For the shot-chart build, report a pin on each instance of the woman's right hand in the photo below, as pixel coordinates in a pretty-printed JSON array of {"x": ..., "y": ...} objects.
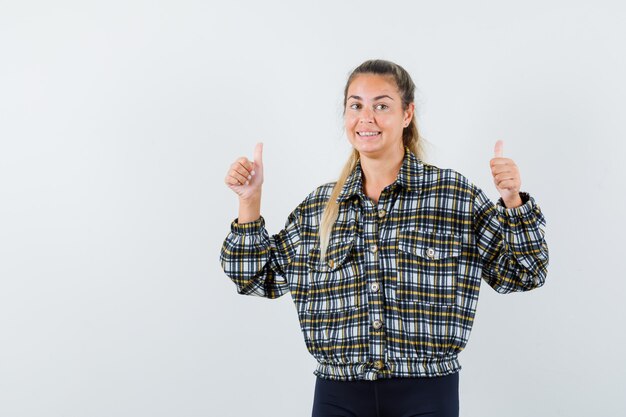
[{"x": 245, "y": 177}]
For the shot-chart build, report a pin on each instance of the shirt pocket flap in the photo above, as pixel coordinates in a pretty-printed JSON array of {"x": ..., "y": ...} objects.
[
  {"x": 336, "y": 255},
  {"x": 429, "y": 245}
]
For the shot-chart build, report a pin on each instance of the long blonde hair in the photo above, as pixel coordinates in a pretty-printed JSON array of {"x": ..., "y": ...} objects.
[{"x": 410, "y": 137}]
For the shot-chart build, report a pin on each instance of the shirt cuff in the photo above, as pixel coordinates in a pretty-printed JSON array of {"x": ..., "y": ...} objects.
[
  {"x": 528, "y": 203},
  {"x": 253, "y": 227}
]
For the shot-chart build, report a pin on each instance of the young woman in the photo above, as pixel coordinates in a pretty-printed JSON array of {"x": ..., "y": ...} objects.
[{"x": 385, "y": 264}]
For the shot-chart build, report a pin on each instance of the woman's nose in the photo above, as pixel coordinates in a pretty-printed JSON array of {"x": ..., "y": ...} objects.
[{"x": 366, "y": 116}]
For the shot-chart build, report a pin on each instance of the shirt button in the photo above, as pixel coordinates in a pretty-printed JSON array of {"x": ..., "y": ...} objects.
[
  {"x": 379, "y": 364},
  {"x": 374, "y": 287},
  {"x": 331, "y": 263},
  {"x": 430, "y": 252},
  {"x": 382, "y": 213},
  {"x": 377, "y": 324},
  {"x": 373, "y": 248}
]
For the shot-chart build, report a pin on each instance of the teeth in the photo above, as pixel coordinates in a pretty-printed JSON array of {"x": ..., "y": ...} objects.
[{"x": 368, "y": 133}]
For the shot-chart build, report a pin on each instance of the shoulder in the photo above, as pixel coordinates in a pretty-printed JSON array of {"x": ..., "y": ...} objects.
[
  {"x": 316, "y": 200},
  {"x": 323, "y": 191},
  {"x": 309, "y": 211},
  {"x": 437, "y": 177}
]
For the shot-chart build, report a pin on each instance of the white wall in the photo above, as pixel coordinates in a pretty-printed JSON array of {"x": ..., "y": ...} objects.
[{"x": 118, "y": 121}]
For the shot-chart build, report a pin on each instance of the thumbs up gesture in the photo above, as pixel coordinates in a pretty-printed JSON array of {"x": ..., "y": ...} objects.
[
  {"x": 506, "y": 177},
  {"x": 245, "y": 177}
]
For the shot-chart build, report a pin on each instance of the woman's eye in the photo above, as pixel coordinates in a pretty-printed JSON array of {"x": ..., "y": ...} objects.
[
  {"x": 355, "y": 106},
  {"x": 382, "y": 106}
]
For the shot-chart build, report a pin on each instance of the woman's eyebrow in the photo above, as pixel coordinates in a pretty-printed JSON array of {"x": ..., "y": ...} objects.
[{"x": 375, "y": 98}]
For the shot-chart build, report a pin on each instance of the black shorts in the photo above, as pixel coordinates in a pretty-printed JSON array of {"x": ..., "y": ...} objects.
[{"x": 391, "y": 397}]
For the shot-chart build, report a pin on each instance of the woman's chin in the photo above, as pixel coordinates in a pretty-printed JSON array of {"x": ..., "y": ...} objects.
[
  {"x": 367, "y": 141},
  {"x": 368, "y": 146}
]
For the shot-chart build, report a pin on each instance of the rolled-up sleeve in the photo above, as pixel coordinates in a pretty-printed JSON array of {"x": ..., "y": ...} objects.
[
  {"x": 257, "y": 262},
  {"x": 511, "y": 243}
]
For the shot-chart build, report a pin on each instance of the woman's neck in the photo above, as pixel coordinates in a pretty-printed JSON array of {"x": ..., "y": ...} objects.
[{"x": 380, "y": 172}]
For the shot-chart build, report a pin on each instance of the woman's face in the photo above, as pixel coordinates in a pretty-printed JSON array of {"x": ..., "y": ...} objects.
[{"x": 373, "y": 116}]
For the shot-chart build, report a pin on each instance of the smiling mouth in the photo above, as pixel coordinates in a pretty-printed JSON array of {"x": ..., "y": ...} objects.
[{"x": 368, "y": 134}]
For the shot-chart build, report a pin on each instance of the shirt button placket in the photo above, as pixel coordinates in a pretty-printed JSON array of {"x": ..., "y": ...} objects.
[{"x": 373, "y": 218}]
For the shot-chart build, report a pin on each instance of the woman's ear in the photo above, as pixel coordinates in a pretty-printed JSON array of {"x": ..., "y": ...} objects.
[{"x": 408, "y": 114}]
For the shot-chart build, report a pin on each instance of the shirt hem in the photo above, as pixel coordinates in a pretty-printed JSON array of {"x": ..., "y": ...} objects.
[{"x": 394, "y": 368}]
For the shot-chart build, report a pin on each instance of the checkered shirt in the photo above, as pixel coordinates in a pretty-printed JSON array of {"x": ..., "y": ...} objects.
[{"x": 397, "y": 293}]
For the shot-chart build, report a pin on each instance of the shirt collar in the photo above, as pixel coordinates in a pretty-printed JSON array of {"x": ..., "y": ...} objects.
[{"x": 408, "y": 177}]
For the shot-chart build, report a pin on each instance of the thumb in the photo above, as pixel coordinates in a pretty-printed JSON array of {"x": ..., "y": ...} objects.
[
  {"x": 498, "y": 149},
  {"x": 258, "y": 154}
]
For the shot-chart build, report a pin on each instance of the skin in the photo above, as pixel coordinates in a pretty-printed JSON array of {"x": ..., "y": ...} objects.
[{"x": 373, "y": 104}]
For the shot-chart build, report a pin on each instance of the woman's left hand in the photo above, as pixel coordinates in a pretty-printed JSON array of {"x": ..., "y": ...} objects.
[{"x": 506, "y": 177}]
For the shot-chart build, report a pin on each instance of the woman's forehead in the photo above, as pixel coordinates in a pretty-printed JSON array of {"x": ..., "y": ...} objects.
[{"x": 372, "y": 85}]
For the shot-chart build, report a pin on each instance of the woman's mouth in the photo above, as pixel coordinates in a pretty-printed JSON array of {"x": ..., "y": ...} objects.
[{"x": 368, "y": 135}]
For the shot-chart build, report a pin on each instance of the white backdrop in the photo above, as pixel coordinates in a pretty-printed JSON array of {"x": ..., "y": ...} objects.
[{"x": 118, "y": 121}]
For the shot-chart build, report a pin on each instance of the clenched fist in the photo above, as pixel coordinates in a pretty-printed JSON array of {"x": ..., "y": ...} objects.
[
  {"x": 506, "y": 177},
  {"x": 245, "y": 177}
]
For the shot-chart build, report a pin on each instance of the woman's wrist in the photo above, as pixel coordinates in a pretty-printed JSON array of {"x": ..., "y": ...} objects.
[
  {"x": 514, "y": 202},
  {"x": 249, "y": 209}
]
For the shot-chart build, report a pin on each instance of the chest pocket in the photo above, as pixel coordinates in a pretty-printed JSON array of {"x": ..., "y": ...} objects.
[
  {"x": 427, "y": 266},
  {"x": 334, "y": 285}
]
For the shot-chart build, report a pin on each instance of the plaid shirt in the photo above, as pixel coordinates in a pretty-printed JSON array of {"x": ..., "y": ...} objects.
[{"x": 398, "y": 292}]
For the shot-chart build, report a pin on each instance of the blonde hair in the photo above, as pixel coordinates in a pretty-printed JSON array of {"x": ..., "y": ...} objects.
[{"x": 410, "y": 137}]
